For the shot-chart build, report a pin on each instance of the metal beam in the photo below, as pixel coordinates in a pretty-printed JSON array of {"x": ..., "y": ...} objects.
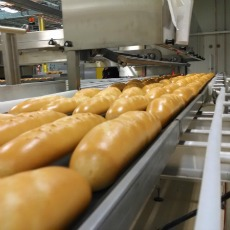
[
  {"x": 26, "y": 4},
  {"x": 5, "y": 15}
]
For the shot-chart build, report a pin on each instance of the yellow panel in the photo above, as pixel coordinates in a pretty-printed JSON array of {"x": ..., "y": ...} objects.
[
  {"x": 44, "y": 68},
  {"x": 99, "y": 71}
]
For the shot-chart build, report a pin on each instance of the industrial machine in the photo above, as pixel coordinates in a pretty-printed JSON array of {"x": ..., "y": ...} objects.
[{"x": 178, "y": 151}]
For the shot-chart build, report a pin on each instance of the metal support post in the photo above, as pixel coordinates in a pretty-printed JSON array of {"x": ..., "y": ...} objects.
[
  {"x": 41, "y": 25},
  {"x": 73, "y": 68},
  {"x": 10, "y": 59}
]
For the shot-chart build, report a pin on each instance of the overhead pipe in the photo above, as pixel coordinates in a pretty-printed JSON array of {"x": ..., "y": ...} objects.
[{"x": 25, "y": 4}]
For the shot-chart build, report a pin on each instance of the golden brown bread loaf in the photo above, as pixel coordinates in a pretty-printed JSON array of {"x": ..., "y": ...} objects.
[
  {"x": 107, "y": 149},
  {"x": 41, "y": 146},
  {"x": 97, "y": 105},
  {"x": 155, "y": 93},
  {"x": 65, "y": 105},
  {"x": 43, "y": 199},
  {"x": 18, "y": 124},
  {"x": 150, "y": 86},
  {"x": 171, "y": 87},
  {"x": 162, "y": 108},
  {"x": 122, "y": 105},
  {"x": 5, "y": 116},
  {"x": 165, "y": 82},
  {"x": 133, "y": 91},
  {"x": 119, "y": 85},
  {"x": 185, "y": 93},
  {"x": 133, "y": 84},
  {"x": 110, "y": 91},
  {"x": 88, "y": 92},
  {"x": 33, "y": 104},
  {"x": 177, "y": 101}
]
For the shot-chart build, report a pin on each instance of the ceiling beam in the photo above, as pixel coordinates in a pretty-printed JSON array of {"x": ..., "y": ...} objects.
[
  {"x": 26, "y": 4},
  {"x": 27, "y": 13}
]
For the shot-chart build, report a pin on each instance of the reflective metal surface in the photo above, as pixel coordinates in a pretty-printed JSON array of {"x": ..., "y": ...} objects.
[
  {"x": 40, "y": 39},
  {"x": 12, "y": 92},
  {"x": 108, "y": 24},
  {"x": 10, "y": 59}
]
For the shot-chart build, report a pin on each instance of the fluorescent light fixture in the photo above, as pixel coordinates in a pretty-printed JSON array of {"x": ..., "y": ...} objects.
[{"x": 9, "y": 10}]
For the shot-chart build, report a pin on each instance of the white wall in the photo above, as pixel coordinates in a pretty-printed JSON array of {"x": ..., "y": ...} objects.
[{"x": 211, "y": 16}]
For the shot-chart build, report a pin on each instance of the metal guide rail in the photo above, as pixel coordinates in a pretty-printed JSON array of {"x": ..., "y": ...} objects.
[
  {"x": 204, "y": 152},
  {"x": 188, "y": 158}
]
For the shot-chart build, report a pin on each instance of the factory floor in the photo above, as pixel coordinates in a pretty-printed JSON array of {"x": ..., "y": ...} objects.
[{"x": 179, "y": 197}]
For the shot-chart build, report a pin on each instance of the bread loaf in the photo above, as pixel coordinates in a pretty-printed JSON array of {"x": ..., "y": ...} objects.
[
  {"x": 133, "y": 84},
  {"x": 110, "y": 91},
  {"x": 178, "y": 102},
  {"x": 65, "y": 105},
  {"x": 133, "y": 91},
  {"x": 42, "y": 199},
  {"x": 33, "y": 104},
  {"x": 155, "y": 93},
  {"x": 97, "y": 105},
  {"x": 119, "y": 85},
  {"x": 18, "y": 124},
  {"x": 4, "y": 116},
  {"x": 185, "y": 93},
  {"x": 41, "y": 146},
  {"x": 88, "y": 92},
  {"x": 147, "y": 88},
  {"x": 122, "y": 105},
  {"x": 107, "y": 149},
  {"x": 162, "y": 108}
]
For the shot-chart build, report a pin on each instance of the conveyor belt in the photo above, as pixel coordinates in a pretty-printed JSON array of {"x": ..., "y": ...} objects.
[{"x": 118, "y": 206}]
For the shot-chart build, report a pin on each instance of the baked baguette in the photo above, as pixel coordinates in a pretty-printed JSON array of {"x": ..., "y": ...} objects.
[
  {"x": 133, "y": 91},
  {"x": 33, "y": 104},
  {"x": 146, "y": 88},
  {"x": 97, "y": 105},
  {"x": 47, "y": 198},
  {"x": 88, "y": 92},
  {"x": 155, "y": 93},
  {"x": 107, "y": 149},
  {"x": 65, "y": 105},
  {"x": 41, "y": 146},
  {"x": 4, "y": 116},
  {"x": 119, "y": 85},
  {"x": 163, "y": 108},
  {"x": 18, "y": 124},
  {"x": 109, "y": 91},
  {"x": 122, "y": 105},
  {"x": 185, "y": 93}
]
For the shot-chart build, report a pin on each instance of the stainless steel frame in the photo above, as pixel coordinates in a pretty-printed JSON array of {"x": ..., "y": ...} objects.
[
  {"x": 10, "y": 54},
  {"x": 12, "y": 92},
  {"x": 109, "y": 24}
]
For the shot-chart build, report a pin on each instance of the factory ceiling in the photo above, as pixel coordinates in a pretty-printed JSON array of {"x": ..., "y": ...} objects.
[{"x": 16, "y": 13}]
